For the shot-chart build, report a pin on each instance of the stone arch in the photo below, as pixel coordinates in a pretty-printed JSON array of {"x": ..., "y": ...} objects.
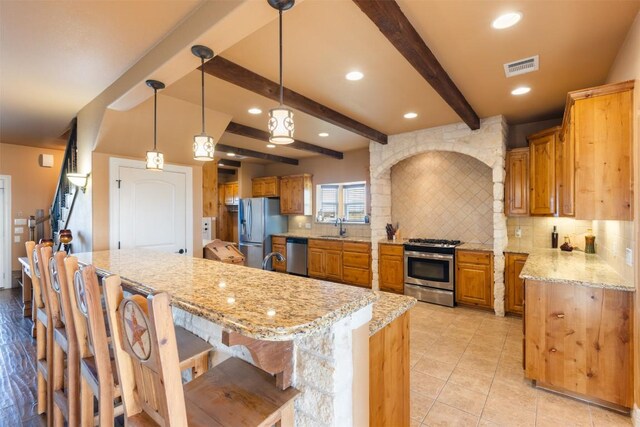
[{"x": 488, "y": 145}]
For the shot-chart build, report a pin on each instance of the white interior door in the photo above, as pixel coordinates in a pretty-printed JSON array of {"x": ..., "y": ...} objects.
[
  {"x": 152, "y": 209},
  {"x": 5, "y": 231}
]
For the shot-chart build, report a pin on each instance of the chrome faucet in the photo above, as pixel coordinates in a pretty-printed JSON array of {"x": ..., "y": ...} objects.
[
  {"x": 343, "y": 230},
  {"x": 266, "y": 259}
]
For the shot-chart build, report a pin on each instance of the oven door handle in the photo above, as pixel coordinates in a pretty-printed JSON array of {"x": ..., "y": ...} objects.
[{"x": 426, "y": 255}]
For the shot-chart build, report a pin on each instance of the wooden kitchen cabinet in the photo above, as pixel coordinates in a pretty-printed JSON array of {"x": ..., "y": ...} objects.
[
  {"x": 600, "y": 120},
  {"x": 542, "y": 172},
  {"x": 295, "y": 195},
  {"x": 514, "y": 297},
  {"x": 279, "y": 244},
  {"x": 391, "y": 268},
  {"x": 517, "y": 182},
  {"x": 231, "y": 193},
  {"x": 356, "y": 263},
  {"x": 268, "y": 186},
  {"x": 474, "y": 278},
  {"x": 565, "y": 171},
  {"x": 578, "y": 341}
]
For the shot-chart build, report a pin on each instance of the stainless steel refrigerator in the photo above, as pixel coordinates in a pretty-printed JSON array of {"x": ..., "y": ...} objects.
[{"x": 258, "y": 219}]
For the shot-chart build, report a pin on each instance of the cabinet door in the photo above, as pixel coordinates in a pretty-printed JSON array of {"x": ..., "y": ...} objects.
[
  {"x": 474, "y": 285},
  {"x": 236, "y": 195},
  {"x": 277, "y": 265},
  {"x": 316, "y": 263},
  {"x": 391, "y": 274},
  {"x": 271, "y": 187},
  {"x": 514, "y": 285},
  {"x": 285, "y": 196},
  {"x": 257, "y": 187},
  {"x": 333, "y": 265},
  {"x": 542, "y": 196},
  {"x": 517, "y": 188},
  {"x": 297, "y": 195},
  {"x": 228, "y": 193},
  {"x": 567, "y": 199}
]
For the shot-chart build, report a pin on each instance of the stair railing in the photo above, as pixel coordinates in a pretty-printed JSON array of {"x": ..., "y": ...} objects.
[{"x": 64, "y": 188}]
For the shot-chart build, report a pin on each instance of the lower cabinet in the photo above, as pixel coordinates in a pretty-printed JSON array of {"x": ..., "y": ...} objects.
[
  {"x": 391, "y": 268},
  {"x": 514, "y": 296},
  {"x": 474, "y": 278},
  {"x": 346, "y": 262},
  {"x": 279, "y": 244}
]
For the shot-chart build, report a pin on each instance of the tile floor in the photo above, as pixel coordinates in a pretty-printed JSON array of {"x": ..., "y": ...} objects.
[{"x": 466, "y": 370}]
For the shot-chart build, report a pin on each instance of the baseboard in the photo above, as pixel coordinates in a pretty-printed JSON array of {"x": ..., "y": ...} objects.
[{"x": 16, "y": 276}]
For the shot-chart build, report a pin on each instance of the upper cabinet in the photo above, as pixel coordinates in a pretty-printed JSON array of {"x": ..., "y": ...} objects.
[
  {"x": 565, "y": 171},
  {"x": 265, "y": 187},
  {"x": 231, "y": 193},
  {"x": 542, "y": 172},
  {"x": 600, "y": 123},
  {"x": 295, "y": 195},
  {"x": 517, "y": 182}
]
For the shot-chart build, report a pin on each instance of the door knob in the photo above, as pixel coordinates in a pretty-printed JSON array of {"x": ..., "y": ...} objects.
[{"x": 181, "y": 251}]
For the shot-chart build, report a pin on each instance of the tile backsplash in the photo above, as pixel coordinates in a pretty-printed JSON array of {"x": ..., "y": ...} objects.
[
  {"x": 297, "y": 224},
  {"x": 443, "y": 195},
  {"x": 612, "y": 237}
]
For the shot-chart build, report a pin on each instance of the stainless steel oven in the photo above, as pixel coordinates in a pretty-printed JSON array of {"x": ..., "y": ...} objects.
[{"x": 429, "y": 270}]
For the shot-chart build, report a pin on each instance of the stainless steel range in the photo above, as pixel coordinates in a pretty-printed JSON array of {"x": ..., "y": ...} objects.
[{"x": 429, "y": 270}]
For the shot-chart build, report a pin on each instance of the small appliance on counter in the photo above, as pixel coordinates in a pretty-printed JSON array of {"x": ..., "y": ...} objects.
[
  {"x": 258, "y": 219},
  {"x": 218, "y": 250}
]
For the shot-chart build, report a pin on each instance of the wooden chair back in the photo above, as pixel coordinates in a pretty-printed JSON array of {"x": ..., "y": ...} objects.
[
  {"x": 42, "y": 257},
  {"x": 35, "y": 274},
  {"x": 146, "y": 352},
  {"x": 60, "y": 286},
  {"x": 77, "y": 309}
]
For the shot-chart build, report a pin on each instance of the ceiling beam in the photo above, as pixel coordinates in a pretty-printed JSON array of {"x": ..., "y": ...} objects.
[
  {"x": 247, "y": 79},
  {"x": 255, "y": 154},
  {"x": 261, "y": 135},
  {"x": 229, "y": 163},
  {"x": 395, "y": 26}
]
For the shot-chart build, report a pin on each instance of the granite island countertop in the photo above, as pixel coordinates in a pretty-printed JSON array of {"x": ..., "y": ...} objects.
[
  {"x": 573, "y": 268},
  {"x": 337, "y": 238},
  {"x": 388, "y": 308},
  {"x": 516, "y": 247},
  {"x": 259, "y": 304}
]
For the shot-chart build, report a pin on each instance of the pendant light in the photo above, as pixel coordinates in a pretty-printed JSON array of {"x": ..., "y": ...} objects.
[
  {"x": 155, "y": 159},
  {"x": 281, "y": 119},
  {"x": 203, "y": 145}
]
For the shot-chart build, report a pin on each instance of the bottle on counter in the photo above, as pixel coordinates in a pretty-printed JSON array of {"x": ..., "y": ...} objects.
[
  {"x": 554, "y": 238},
  {"x": 589, "y": 242}
]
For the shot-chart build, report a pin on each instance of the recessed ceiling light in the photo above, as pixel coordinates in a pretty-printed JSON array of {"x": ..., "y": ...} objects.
[
  {"x": 410, "y": 115},
  {"x": 507, "y": 20},
  {"x": 323, "y": 134},
  {"x": 521, "y": 90},
  {"x": 354, "y": 75},
  {"x": 255, "y": 110},
  {"x": 231, "y": 154},
  {"x": 271, "y": 145}
]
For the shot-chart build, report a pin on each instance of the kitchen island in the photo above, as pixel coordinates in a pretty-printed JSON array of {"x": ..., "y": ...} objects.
[
  {"x": 328, "y": 323},
  {"x": 578, "y": 317}
]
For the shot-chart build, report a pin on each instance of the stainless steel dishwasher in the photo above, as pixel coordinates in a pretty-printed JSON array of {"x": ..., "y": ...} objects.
[{"x": 297, "y": 256}]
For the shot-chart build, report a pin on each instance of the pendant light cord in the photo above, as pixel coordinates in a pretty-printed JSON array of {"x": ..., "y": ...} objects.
[
  {"x": 155, "y": 117},
  {"x": 202, "y": 69},
  {"x": 281, "y": 86}
]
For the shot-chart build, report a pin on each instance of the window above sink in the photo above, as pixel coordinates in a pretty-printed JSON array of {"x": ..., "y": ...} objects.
[{"x": 346, "y": 200}]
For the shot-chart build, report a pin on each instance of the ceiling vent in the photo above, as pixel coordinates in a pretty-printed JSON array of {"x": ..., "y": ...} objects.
[{"x": 522, "y": 66}]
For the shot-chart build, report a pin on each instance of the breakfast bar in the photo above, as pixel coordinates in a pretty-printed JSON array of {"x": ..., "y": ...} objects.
[{"x": 329, "y": 324}]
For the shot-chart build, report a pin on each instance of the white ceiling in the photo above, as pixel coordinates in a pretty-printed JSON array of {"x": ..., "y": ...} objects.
[{"x": 56, "y": 56}]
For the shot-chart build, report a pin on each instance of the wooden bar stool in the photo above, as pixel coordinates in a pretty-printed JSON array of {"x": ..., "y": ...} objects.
[
  {"x": 65, "y": 344},
  {"x": 97, "y": 366},
  {"x": 233, "y": 393},
  {"x": 44, "y": 335}
]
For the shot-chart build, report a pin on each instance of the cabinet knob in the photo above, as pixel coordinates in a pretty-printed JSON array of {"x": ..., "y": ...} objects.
[{"x": 560, "y": 315}]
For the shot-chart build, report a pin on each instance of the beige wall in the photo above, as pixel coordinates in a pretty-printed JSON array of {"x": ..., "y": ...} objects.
[
  {"x": 627, "y": 67},
  {"x": 32, "y": 187},
  {"x": 517, "y": 136},
  {"x": 101, "y": 203},
  {"x": 443, "y": 195}
]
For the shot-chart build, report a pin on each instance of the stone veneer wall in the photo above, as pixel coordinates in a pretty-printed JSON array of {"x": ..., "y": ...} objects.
[
  {"x": 487, "y": 144},
  {"x": 323, "y": 366}
]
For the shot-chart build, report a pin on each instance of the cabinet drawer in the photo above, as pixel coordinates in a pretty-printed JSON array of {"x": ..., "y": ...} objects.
[
  {"x": 356, "y": 276},
  {"x": 474, "y": 257},
  {"x": 391, "y": 249},
  {"x": 356, "y": 247},
  {"x": 279, "y": 240},
  {"x": 325, "y": 244},
  {"x": 355, "y": 259}
]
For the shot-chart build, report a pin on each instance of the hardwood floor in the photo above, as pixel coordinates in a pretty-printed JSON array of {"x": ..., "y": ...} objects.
[{"x": 17, "y": 364}]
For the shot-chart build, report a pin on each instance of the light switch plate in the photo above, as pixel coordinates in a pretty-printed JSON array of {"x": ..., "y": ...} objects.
[
  {"x": 628, "y": 256},
  {"x": 518, "y": 232},
  {"x": 20, "y": 221},
  {"x": 307, "y": 225}
]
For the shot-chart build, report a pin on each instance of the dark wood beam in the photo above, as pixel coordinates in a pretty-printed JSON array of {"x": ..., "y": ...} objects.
[
  {"x": 261, "y": 135},
  {"x": 395, "y": 26},
  {"x": 256, "y": 154},
  {"x": 227, "y": 171},
  {"x": 229, "y": 163},
  {"x": 247, "y": 79}
]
